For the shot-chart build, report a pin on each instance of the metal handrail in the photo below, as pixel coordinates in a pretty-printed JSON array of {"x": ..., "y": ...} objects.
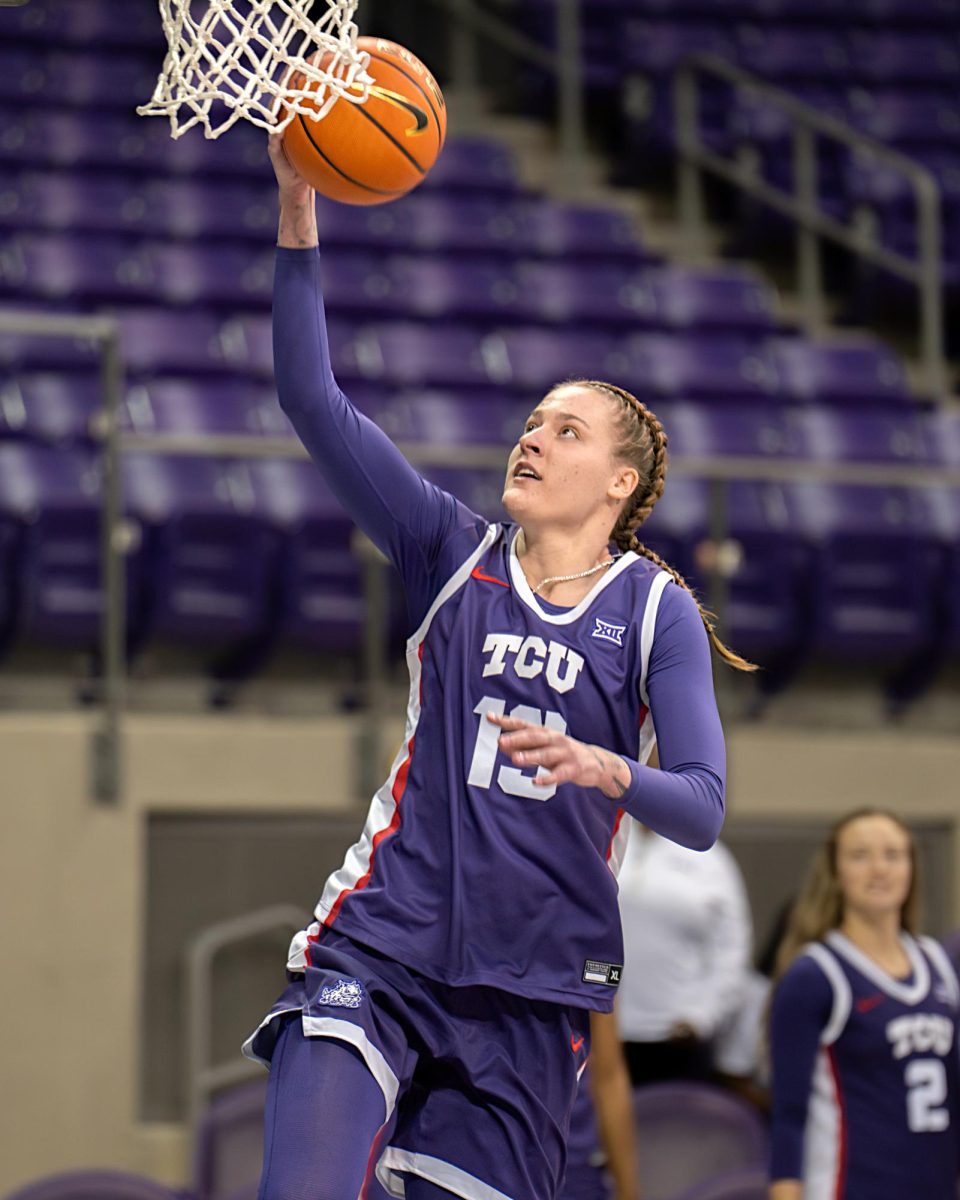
[
  {"x": 107, "y": 760},
  {"x": 203, "y": 1077},
  {"x": 803, "y": 205}
]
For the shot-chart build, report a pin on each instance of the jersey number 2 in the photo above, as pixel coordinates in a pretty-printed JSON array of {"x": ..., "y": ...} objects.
[
  {"x": 510, "y": 779},
  {"x": 926, "y": 1082}
]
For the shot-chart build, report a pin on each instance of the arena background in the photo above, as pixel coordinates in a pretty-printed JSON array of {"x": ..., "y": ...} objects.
[{"x": 240, "y": 792}]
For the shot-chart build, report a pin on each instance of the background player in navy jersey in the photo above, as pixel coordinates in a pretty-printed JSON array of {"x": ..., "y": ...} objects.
[
  {"x": 446, "y": 984},
  {"x": 863, "y": 1030}
]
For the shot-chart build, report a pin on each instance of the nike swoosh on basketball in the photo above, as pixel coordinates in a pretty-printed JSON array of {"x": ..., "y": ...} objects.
[
  {"x": 867, "y": 1003},
  {"x": 575, "y": 1043}
]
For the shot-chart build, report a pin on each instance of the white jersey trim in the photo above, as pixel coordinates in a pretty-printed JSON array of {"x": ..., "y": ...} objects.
[
  {"x": 436, "y": 1170},
  {"x": 824, "y": 1133},
  {"x": 525, "y": 592},
  {"x": 377, "y": 1065},
  {"x": 248, "y": 1049},
  {"x": 906, "y": 993},
  {"x": 842, "y": 994},
  {"x": 945, "y": 968},
  {"x": 383, "y": 806},
  {"x": 647, "y": 630}
]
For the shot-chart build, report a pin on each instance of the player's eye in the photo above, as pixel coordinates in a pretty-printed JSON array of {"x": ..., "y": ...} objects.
[
  {"x": 530, "y": 425},
  {"x": 569, "y": 429}
]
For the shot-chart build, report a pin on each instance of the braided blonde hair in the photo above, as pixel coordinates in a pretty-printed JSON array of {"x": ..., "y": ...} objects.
[{"x": 643, "y": 443}]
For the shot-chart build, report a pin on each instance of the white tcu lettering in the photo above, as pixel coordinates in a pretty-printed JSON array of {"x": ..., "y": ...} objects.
[
  {"x": 574, "y": 666},
  {"x": 531, "y": 656},
  {"x": 920, "y": 1033},
  {"x": 497, "y": 645}
]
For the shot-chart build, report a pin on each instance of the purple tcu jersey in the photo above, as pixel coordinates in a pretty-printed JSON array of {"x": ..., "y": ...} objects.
[
  {"x": 466, "y": 871},
  {"x": 882, "y": 1114}
]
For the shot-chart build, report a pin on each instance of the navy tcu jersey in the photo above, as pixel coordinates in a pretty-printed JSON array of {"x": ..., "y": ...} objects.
[
  {"x": 882, "y": 1114},
  {"x": 466, "y": 871}
]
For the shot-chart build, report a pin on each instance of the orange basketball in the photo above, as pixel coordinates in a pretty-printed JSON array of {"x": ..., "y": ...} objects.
[{"x": 373, "y": 152}]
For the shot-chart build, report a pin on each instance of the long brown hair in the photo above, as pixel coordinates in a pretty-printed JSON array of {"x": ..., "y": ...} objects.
[
  {"x": 643, "y": 444},
  {"x": 818, "y": 907}
]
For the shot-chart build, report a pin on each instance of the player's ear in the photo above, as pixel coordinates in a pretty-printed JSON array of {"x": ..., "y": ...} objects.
[{"x": 624, "y": 482}]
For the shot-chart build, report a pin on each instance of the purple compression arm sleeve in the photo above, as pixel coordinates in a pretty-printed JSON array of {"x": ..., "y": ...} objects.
[
  {"x": 406, "y": 517},
  {"x": 801, "y": 1008},
  {"x": 420, "y": 529}
]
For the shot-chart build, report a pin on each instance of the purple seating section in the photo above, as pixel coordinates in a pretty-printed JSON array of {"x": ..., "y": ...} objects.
[
  {"x": 891, "y": 68},
  {"x": 450, "y": 312}
]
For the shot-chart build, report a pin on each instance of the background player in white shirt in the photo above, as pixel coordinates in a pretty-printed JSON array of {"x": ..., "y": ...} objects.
[{"x": 687, "y": 942}]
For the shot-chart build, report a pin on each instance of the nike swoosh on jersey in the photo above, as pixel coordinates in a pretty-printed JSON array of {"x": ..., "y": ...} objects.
[
  {"x": 867, "y": 1003},
  {"x": 575, "y": 1043},
  {"x": 476, "y": 573}
]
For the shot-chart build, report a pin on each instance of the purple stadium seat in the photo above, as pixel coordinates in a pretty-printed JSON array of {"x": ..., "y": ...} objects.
[
  {"x": 876, "y": 572},
  {"x": 726, "y": 298},
  {"x": 21, "y": 352},
  {"x": 320, "y": 602},
  {"x": 462, "y": 290},
  {"x": 405, "y": 355},
  {"x": 657, "y": 47},
  {"x": 764, "y": 613},
  {"x": 190, "y": 406},
  {"x": 533, "y": 360},
  {"x": 859, "y": 436},
  {"x": 186, "y": 208},
  {"x": 906, "y": 120},
  {"x": 433, "y": 418},
  {"x": 701, "y": 368},
  {"x": 85, "y": 25},
  {"x": 888, "y": 58},
  {"x": 74, "y": 79},
  {"x": 52, "y": 494},
  {"x": 691, "y": 1132},
  {"x": 855, "y": 370},
  {"x": 77, "y": 268},
  {"x": 942, "y": 435},
  {"x": 95, "y": 1185},
  {"x": 213, "y": 558},
  {"x": 209, "y": 276},
  {"x": 584, "y": 293},
  {"x": 579, "y": 231},
  {"x": 228, "y": 1144},
  {"x": 62, "y": 202},
  {"x": 707, "y": 431},
  {"x": 155, "y": 341},
  {"x": 789, "y": 54},
  {"x": 750, "y": 1183},
  {"x": 475, "y": 164},
  {"x": 49, "y": 408}
]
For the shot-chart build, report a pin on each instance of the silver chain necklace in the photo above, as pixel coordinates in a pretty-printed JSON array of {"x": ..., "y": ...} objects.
[{"x": 579, "y": 575}]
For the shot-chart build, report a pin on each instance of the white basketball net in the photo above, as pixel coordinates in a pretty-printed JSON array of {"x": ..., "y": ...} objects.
[{"x": 235, "y": 58}]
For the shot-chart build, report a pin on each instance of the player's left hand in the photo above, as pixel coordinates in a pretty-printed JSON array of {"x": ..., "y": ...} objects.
[{"x": 564, "y": 759}]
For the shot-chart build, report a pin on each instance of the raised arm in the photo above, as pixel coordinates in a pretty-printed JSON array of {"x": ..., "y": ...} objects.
[{"x": 409, "y": 519}]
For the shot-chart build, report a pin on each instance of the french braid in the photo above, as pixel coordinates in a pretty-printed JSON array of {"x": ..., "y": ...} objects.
[{"x": 644, "y": 444}]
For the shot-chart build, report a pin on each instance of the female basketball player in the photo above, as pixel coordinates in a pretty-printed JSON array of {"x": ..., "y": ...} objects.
[
  {"x": 863, "y": 1030},
  {"x": 446, "y": 984}
]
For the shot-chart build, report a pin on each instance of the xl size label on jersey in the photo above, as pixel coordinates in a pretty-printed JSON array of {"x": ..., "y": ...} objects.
[{"x": 601, "y": 972}]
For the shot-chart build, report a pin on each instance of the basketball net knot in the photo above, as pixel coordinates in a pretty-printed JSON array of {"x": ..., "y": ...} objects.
[{"x": 264, "y": 61}]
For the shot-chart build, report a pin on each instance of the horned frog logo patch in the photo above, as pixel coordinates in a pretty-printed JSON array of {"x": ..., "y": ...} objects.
[{"x": 345, "y": 993}]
